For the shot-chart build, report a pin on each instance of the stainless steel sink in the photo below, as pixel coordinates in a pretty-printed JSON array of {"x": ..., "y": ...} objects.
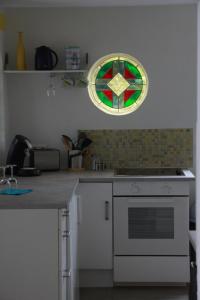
[{"x": 148, "y": 172}]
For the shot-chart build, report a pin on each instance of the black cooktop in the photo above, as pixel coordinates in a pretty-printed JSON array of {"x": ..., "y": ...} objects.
[{"x": 148, "y": 172}]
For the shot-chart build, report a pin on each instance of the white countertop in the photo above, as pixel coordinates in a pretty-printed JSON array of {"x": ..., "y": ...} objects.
[{"x": 50, "y": 190}]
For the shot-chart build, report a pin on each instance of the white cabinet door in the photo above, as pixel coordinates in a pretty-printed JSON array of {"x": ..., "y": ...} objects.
[
  {"x": 95, "y": 232},
  {"x": 29, "y": 254}
]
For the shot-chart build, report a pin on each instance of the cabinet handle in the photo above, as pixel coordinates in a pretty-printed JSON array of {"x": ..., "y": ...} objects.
[
  {"x": 147, "y": 201},
  {"x": 66, "y": 274},
  {"x": 193, "y": 264},
  {"x": 65, "y": 213},
  {"x": 66, "y": 234},
  {"x": 106, "y": 210}
]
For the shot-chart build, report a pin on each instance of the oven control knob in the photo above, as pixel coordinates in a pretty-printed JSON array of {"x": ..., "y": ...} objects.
[
  {"x": 135, "y": 188},
  {"x": 166, "y": 189}
]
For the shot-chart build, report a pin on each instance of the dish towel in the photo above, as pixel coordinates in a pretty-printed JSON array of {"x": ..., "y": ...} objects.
[{"x": 16, "y": 192}]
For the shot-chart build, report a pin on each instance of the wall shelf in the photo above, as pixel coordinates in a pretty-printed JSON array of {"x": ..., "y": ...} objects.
[
  {"x": 74, "y": 78},
  {"x": 44, "y": 71}
]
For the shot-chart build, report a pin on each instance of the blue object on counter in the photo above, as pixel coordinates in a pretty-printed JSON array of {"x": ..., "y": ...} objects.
[{"x": 16, "y": 192}]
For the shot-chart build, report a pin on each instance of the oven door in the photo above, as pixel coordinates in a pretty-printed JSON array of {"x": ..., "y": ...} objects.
[{"x": 151, "y": 225}]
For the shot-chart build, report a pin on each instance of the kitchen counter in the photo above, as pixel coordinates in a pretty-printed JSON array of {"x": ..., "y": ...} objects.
[
  {"x": 50, "y": 190},
  {"x": 55, "y": 189}
]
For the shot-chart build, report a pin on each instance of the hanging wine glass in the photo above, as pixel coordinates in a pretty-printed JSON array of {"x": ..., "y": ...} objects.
[{"x": 51, "y": 89}]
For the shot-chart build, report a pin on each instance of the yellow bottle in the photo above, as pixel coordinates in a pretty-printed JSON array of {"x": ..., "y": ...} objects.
[
  {"x": 21, "y": 58},
  {"x": 2, "y": 21}
]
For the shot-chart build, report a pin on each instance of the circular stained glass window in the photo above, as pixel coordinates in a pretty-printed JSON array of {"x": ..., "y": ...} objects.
[{"x": 117, "y": 84}]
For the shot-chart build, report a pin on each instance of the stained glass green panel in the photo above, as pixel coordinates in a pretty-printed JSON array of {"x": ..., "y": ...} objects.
[
  {"x": 129, "y": 102},
  {"x": 134, "y": 70},
  {"x": 104, "y": 69},
  {"x": 104, "y": 99},
  {"x": 132, "y": 99}
]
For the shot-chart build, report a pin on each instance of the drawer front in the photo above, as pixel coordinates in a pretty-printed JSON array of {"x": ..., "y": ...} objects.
[
  {"x": 143, "y": 188},
  {"x": 161, "y": 269}
]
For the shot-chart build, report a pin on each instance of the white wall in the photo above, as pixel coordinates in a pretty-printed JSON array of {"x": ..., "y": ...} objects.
[
  {"x": 198, "y": 157},
  {"x": 3, "y": 112},
  {"x": 163, "y": 38}
]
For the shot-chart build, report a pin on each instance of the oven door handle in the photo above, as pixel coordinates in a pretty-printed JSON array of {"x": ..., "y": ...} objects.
[{"x": 150, "y": 201}]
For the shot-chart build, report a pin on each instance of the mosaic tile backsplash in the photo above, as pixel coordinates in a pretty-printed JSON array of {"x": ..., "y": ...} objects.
[{"x": 140, "y": 148}]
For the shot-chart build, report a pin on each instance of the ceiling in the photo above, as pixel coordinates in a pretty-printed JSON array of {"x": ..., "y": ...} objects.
[{"x": 88, "y": 3}]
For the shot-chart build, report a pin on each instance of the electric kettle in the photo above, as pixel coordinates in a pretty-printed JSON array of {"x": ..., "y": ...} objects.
[{"x": 45, "y": 58}]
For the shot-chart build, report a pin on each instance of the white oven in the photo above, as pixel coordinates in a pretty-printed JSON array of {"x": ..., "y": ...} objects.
[{"x": 151, "y": 225}]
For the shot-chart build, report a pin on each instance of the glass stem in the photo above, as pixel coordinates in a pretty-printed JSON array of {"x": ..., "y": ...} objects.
[{"x": 4, "y": 172}]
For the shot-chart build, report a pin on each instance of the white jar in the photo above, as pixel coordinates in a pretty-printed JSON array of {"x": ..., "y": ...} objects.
[{"x": 72, "y": 57}]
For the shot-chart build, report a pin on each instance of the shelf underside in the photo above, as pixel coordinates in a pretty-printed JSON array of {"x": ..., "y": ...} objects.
[{"x": 44, "y": 71}]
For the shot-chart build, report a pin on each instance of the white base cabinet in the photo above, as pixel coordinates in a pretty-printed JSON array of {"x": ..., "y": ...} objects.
[
  {"x": 95, "y": 231},
  {"x": 29, "y": 254},
  {"x": 38, "y": 253}
]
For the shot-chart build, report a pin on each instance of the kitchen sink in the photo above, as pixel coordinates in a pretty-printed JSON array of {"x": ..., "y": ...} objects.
[{"x": 148, "y": 172}]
